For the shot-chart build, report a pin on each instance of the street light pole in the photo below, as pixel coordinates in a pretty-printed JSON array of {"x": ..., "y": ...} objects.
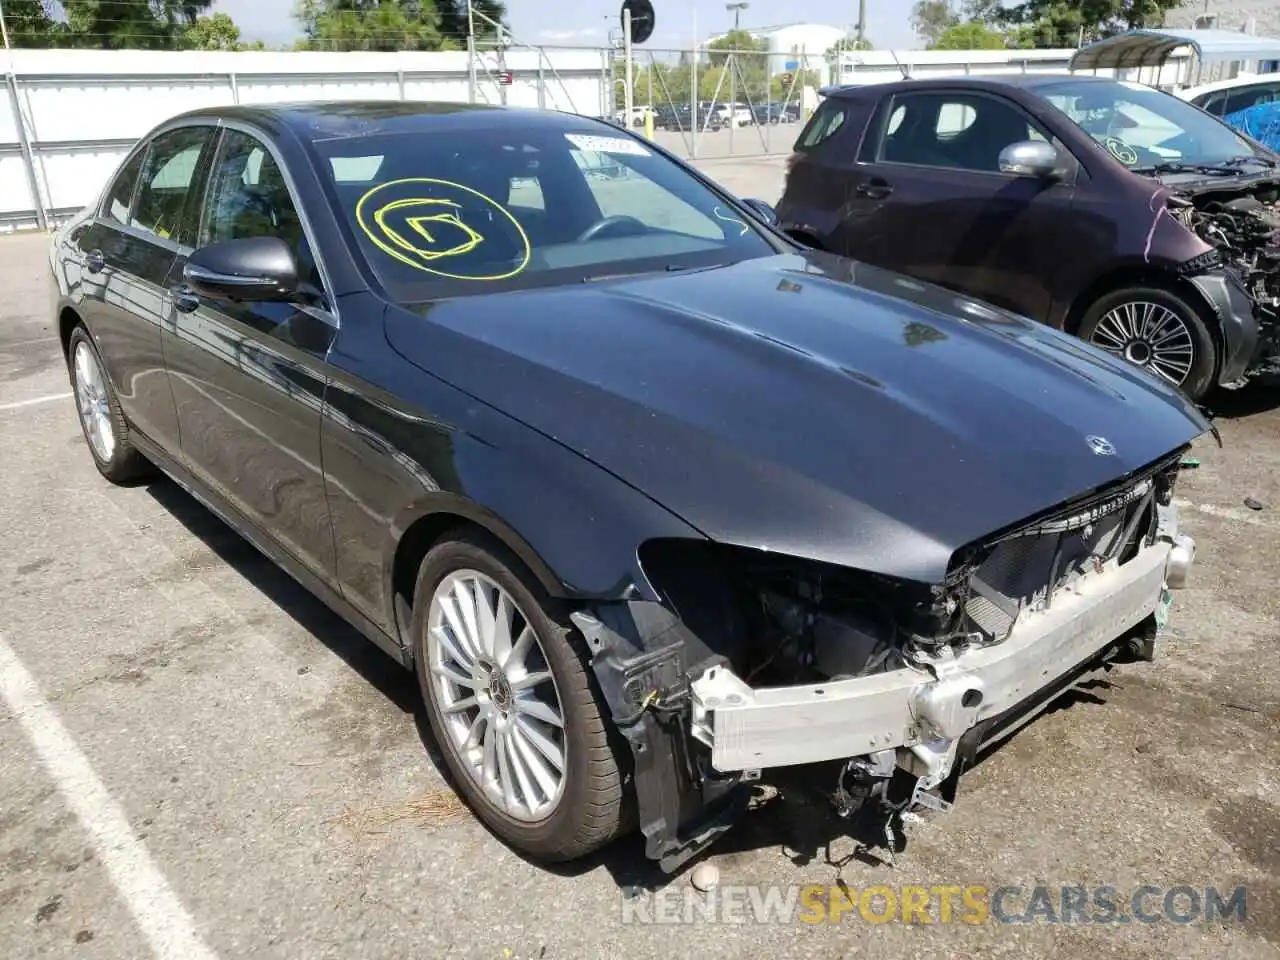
[{"x": 736, "y": 9}]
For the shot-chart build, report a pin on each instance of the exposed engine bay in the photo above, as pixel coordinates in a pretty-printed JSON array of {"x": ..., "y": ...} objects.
[
  {"x": 769, "y": 661},
  {"x": 782, "y": 621},
  {"x": 1243, "y": 225}
]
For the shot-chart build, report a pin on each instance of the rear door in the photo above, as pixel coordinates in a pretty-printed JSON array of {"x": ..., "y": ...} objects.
[
  {"x": 125, "y": 253},
  {"x": 928, "y": 198},
  {"x": 821, "y": 170}
]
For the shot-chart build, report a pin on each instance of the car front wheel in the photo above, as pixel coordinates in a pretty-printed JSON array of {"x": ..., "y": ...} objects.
[
  {"x": 1158, "y": 330},
  {"x": 511, "y": 703}
]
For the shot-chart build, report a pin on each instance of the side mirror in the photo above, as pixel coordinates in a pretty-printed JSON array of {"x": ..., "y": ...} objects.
[
  {"x": 255, "y": 268},
  {"x": 1030, "y": 158},
  {"x": 763, "y": 210}
]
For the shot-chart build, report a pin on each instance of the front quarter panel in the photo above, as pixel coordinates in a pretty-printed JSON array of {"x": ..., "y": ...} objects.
[{"x": 400, "y": 446}]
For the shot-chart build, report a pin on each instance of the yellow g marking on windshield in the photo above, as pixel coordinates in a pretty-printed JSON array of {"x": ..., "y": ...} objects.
[
  {"x": 722, "y": 215},
  {"x": 450, "y": 218},
  {"x": 435, "y": 228},
  {"x": 1120, "y": 150}
]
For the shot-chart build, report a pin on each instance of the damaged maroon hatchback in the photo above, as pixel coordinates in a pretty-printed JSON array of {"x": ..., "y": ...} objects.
[{"x": 1109, "y": 209}]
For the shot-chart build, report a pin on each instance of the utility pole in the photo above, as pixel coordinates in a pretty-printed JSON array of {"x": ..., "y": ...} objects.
[
  {"x": 628, "y": 95},
  {"x": 862, "y": 24},
  {"x": 4, "y": 31},
  {"x": 471, "y": 54}
]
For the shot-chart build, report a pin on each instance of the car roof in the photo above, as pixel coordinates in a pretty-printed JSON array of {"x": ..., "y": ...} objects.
[
  {"x": 972, "y": 81},
  {"x": 342, "y": 119},
  {"x": 1243, "y": 80}
]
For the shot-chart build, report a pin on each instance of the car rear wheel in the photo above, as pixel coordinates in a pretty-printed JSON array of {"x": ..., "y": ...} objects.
[
  {"x": 511, "y": 703},
  {"x": 1158, "y": 330},
  {"x": 106, "y": 431}
]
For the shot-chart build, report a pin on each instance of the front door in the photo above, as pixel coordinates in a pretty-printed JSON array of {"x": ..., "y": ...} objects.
[
  {"x": 248, "y": 378},
  {"x": 928, "y": 198}
]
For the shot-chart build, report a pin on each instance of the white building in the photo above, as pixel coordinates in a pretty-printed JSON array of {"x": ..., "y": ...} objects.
[{"x": 795, "y": 46}]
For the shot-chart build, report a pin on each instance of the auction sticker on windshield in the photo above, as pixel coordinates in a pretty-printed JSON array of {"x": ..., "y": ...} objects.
[{"x": 606, "y": 144}]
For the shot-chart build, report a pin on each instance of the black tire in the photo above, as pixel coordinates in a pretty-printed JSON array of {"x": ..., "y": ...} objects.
[
  {"x": 590, "y": 812},
  {"x": 1199, "y": 376},
  {"x": 126, "y": 464}
]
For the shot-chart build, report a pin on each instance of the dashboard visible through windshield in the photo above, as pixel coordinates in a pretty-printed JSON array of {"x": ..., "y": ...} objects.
[
  {"x": 1147, "y": 129},
  {"x": 483, "y": 211}
]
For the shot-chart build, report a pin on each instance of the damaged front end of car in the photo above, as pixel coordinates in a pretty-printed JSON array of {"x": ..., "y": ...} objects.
[
  {"x": 1241, "y": 222},
  {"x": 754, "y": 661}
]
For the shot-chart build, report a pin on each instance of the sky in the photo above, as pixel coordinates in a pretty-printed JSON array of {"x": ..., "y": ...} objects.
[{"x": 588, "y": 22}]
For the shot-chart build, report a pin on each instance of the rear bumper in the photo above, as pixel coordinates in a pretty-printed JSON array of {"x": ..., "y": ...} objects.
[{"x": 750, "y": 729}]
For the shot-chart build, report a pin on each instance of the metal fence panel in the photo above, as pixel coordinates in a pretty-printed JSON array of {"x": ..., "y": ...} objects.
[{"x": 81, "y": 110}]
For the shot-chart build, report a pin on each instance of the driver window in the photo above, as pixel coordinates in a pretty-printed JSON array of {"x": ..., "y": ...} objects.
[
  {"x": 621, "y": 191},
  {"x": 248, "y": 197},
  {"x": 954, "y": 130}
]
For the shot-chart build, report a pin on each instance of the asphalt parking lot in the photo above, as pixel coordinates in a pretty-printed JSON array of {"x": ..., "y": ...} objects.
[{"x": 200, "y": 761}]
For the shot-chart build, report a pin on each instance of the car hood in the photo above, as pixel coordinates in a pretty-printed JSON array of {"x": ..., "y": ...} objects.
[{"x": 808, "y": 405}]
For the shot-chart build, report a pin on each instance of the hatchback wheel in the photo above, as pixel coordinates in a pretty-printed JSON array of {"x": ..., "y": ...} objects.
[
  {"x": 106, "y": 430},
  {"x": 511, "y": 703},
  {"x": 1157, "y": 330}
]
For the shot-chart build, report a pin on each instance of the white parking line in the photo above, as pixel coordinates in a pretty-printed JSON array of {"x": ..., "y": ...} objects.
[
  {"x": 165, "y": 922},
  {"x": 1228, "y": 513},
  {"x": 50, "y": 398}
]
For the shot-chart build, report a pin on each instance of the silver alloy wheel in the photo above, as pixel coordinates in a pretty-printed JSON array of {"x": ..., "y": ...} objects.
[
  {"x": 497, "y": 695},
  {"x": 1149, "y": 335},
  {"x": 91, "y": 399}
]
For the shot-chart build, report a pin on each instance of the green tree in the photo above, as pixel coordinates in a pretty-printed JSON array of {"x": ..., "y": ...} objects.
[
  {"x": 733, "y": 42},
  {"x": 1063, "y": 23},
  {"x": 129, "y": 24},
  {"x": 930, "y": 19},
  {"x": 783, "y": 85},
  {"x": 377, "y": 25},
  {"x": 31, "y": 23},
  {"x": 216, "y": 32},
  {"x": 453, "y": 18},
  {"x": 745, "y": 76},
  {"x": 846, "y": 45},
  {"x": 970, "y": 36}
]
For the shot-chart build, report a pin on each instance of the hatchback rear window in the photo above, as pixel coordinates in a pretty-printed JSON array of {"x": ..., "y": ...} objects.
[{"x": 827, "y": 120}]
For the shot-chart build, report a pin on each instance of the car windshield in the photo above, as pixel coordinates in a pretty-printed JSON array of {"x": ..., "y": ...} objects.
[
  {"x": 462, "y": 212},
  {"x": 1145, "y": 128}
]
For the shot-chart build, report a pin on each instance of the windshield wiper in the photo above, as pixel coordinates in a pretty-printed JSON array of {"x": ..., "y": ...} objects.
[
  {"x": 1241, "y": 161},
  {"x": 1174, "y": 167},
  {"x": 598, "y": 277}
]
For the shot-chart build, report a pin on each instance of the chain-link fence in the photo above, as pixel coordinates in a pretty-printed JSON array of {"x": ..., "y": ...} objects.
[{"x": 717, "y": 103}]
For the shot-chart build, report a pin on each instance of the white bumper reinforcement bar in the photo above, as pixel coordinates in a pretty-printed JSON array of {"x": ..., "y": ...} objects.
[{"x": 751, "y": 729}]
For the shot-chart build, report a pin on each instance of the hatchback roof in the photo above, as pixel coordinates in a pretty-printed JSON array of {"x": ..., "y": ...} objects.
[{"x": 1024, "y": 81}]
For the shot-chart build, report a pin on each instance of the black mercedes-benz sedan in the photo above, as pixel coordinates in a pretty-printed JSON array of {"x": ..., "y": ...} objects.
[{"x": 651, "y": 498}]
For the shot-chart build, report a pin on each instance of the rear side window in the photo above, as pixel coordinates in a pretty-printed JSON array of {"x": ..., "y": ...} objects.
[
  {"x": 167, "y": 178},
  {"x": 120, "y": 197},
  {"x": 828, "y": 118}
]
